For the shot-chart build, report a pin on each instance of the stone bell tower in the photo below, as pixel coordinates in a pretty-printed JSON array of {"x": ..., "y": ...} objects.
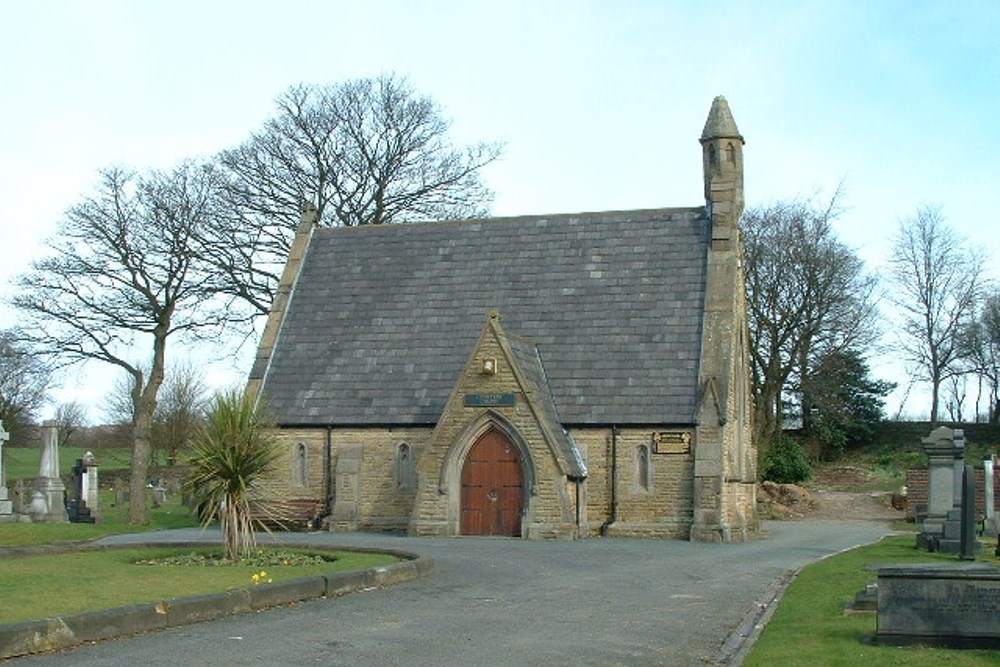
[
  {"x": 725, "y": 458},
  {"x": 722, "y": 160}
]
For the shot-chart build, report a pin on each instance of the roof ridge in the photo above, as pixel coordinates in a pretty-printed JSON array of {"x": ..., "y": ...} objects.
[{"x": 672, "y": 210}]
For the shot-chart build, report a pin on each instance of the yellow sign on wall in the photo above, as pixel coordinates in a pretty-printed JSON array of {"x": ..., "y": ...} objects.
[{"x": 672, "y": 442}]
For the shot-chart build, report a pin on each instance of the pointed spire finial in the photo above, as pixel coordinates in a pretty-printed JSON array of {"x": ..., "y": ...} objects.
[{"x": 720, "y": 123}]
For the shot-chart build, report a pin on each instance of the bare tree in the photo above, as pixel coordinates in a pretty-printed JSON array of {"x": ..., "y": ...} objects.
[
  {"x": 70, "y": 417},
  {"x": 369, "y": 151},
  {"x": 117, "y": 406},
  {"x": 24, "y": 379},
  {"x": 980, "y": 350},
  {"x": 124, "y": 271},
  {"x": 937, "y": 282},
  {"x": 808, "y": 296},
  {"x": 180, "y": 411}
]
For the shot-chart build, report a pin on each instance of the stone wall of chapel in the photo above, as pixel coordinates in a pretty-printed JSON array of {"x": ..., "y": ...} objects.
[
  {"x": 283, "y": 482},
  {"x": 662, "y": 507},
  {"x": 384, "y": 501}
]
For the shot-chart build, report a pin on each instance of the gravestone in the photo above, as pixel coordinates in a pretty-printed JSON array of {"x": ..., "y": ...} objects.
[
  {"x": 20, "y": 495},
  {"x": 939, "y": 604},
  {"x": 159, "y": 495},
  {"x": 942, "y": 529},
  {"x": 50, "y": 486},
  {"x": 6, "y": 506},
  {"x": 969, "y": 545},
  {"x": 990, "y": 523},
  {"x": 121, "y": 492},
  {"x": 77, "y": 508},
  {"x": 90, "y": 491}
]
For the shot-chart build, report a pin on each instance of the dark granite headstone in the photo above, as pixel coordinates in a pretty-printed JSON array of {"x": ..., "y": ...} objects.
[
  {"x": 969, "y": 542},
  {"x": 939, "y": 604}
]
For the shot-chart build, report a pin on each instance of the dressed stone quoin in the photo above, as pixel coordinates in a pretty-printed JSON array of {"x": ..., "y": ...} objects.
[{"x": 544, "y": 376}]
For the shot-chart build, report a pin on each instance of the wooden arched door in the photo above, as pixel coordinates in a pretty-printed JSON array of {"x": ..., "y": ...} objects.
[{"x": 492, "y": 487}]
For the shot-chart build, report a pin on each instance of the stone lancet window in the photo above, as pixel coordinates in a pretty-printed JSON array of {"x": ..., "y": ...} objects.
[
  {"x": 404, "y": 466},
  {"x": 643, "y": 476},
  {"x": 301, "y": 465}
]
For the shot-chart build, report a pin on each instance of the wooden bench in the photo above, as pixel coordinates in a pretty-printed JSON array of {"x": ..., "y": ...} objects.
[{"x": 295, "y": 514}]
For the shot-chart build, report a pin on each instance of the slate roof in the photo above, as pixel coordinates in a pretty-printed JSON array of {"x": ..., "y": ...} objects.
[
  {"x": 383, "y": 318},
  {"x": 530, "y": 362}
]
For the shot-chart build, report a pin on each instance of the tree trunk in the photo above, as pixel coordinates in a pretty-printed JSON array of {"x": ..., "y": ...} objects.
[
  {"x": 145, "y": 406},
  {"x": 137, "y": 514},
  {"x": 935, "y": 390}
]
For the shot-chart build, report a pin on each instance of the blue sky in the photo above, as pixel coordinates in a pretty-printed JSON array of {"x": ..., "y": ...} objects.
[{"x": 600, "y": 103}]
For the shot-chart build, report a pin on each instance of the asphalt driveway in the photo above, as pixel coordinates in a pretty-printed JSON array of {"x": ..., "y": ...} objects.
[{"x": 504, "y": 602}]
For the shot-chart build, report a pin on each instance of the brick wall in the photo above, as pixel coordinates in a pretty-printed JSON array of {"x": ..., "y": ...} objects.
[{"x": 917, "y": 487}]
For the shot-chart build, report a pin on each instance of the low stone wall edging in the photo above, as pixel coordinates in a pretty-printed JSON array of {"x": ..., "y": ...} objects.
[{"x": 61, "y": 632}]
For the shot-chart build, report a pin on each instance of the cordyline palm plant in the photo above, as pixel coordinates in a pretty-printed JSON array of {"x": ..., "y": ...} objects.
[{"x": 233, "y": 449}]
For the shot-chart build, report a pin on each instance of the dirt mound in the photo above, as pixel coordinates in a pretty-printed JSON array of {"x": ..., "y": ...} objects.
[
  {"x": 790, "y": 502},
  {"x": 784, "y": 501}
]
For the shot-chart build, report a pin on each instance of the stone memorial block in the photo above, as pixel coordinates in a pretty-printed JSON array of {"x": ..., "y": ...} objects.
[
  {"x": 50, "y": 485},
  {"x": 940, "y": 604},
  {"x": 990, "y": 524},
  {"x": 945, "y": 450}
]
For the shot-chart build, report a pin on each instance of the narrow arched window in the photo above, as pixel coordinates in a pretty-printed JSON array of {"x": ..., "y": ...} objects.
[
  {"x": 731, "y": 153},
  {"x": 301, "y": 465},
  {"x": 404, "y": 466},
  {"x": 642, "y": 464}
]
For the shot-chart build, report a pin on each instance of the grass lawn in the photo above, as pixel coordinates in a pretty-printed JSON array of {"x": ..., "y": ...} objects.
[
  {"x": 34, "y": 587},
  {"x": 23, "y": 462},
  {"x": 810, "y": 628},
  {"x": 113, "y": 520}
]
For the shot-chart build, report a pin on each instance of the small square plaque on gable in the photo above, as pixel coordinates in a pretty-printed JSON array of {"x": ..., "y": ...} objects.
[{"x": 672, "y": 442}]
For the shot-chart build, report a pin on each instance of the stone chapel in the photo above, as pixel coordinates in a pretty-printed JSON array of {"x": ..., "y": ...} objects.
[{"x": 549, "y": 376}]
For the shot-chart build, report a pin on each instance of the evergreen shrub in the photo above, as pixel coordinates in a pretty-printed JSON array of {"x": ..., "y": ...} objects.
[{"x": 785, "y": 462}]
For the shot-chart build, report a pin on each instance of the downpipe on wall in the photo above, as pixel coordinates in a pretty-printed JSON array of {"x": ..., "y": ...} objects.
[{"x": 614, "y": 481}]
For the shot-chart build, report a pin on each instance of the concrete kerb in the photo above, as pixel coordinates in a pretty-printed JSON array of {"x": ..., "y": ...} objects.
[
  {"x": 737, "y": 646},
  {"x": 52, "y": 634}
]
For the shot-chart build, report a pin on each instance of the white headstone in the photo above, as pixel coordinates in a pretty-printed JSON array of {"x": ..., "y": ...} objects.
[
  {"x": 6, "y": 506},
  {"x": 990, "y": 523},
  {"x": 4, "y": 437},
  {"x": 89, "y": 488}
]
